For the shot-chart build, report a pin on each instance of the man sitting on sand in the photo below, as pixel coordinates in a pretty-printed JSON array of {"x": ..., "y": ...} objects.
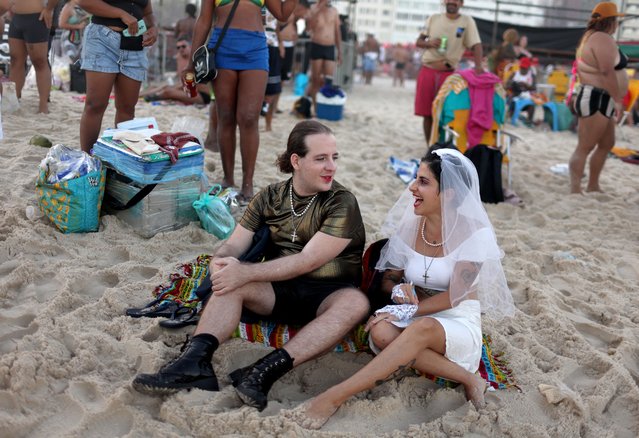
[
  {"x": 316, "y": 243},
  {"x": 326, "y": 38}
]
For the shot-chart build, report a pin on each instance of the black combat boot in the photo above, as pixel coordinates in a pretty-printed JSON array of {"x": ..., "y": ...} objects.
[
  {"x": 253, "y": 383},
  {"x": 191, "y": 369}
]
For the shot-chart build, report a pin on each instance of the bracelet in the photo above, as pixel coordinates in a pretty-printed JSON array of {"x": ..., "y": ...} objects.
[{"x": 402, "y": 312}]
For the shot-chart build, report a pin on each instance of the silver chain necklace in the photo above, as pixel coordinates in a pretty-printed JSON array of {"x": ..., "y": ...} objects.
[
  {"x": 427, "y": 268},
  {"x": 295, "y": 214}
]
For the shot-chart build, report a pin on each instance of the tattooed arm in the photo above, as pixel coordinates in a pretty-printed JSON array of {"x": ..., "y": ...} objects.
[{"x": 462, "y": 279}]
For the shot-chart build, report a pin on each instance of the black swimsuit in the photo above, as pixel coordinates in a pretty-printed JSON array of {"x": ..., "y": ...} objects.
[{"x": 623, "y": 61}]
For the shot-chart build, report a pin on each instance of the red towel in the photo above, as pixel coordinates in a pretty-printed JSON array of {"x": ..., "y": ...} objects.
[{"x": 172, "y": 142}]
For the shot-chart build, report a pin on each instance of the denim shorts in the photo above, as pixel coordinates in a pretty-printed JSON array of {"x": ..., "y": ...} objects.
[{"x": 101, "y": 52}]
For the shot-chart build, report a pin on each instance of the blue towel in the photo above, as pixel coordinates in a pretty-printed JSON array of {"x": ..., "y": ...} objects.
[{"x": 405, "y": 170}]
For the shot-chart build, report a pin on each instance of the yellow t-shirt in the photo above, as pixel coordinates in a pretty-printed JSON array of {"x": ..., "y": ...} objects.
[
  {"x": 334, "y": 212},
  {"x": 461, "y": 32}
]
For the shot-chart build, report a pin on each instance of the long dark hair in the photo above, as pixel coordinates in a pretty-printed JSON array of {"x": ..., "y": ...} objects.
[
  {"x": 597, "y": 24},
  {"x": 297, "y": 142}
]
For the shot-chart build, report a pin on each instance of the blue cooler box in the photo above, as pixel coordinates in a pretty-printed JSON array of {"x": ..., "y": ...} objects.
[
  {"x": 151, "y": 168},
  {"x": 330, "y": 108}
]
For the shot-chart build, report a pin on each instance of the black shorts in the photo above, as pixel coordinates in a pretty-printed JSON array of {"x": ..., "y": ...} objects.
[
  {"x": 274, "y": 84},
  {"x": 297, "y": 300},
  {"x": 399, "y": 66},
  {"x": 319, "y": 51},
  {"x": 287, "y": 65},
  {"x": 29, "y": 28}
]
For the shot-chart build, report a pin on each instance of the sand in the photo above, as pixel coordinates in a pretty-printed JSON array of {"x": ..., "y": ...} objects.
[{"x": 68, "y": 353}]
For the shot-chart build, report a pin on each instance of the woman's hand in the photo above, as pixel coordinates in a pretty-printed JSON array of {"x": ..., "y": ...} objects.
[
  {"x": 130, "y": 22},
  {"x": 376, "y": 319},
  {"x": 618, "y": 111},
  {"x": 150, "y": 37},
  {"x": 404, "y": 293}
]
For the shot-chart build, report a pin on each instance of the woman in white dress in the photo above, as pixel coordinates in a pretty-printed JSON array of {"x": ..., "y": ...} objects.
[{"x": 442, "y": 267}]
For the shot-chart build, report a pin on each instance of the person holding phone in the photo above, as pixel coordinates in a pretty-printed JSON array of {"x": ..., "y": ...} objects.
[{"x": 113, "y": 57}]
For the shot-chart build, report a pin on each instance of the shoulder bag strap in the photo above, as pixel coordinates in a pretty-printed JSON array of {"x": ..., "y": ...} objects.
[{"x": 226, "y": 26}]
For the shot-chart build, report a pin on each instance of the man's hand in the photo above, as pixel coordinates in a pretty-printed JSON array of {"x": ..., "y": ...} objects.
[
  {"x": 228, "y": 274},
  {"x": 47, "y": 16},
  {"x": 150, "y": 37},
  {"x": 433, "y": 43},
  {"x": 376, "y": 319}
]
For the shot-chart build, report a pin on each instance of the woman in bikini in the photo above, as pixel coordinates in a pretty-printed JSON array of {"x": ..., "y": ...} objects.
[
  {"x": 242, "y": 73},
  {"x": 597, "y": 103}
]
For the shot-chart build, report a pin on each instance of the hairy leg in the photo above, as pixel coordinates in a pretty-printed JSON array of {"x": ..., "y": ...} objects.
[
  {"x": 316, "y": 80},
  {"x": 222, "y": 312},
  {"x": 18, "y": 56},
  {"x": 250, "y": 94},
  {"x": 336, "y": 316},
  {"x": 599, "y": 155},
  {"x": 590, "y": 131},
  {"x": 126, "y": 92},
  {"x": 39, "y": 58},
  {"x": 99, "y": 87},
  {"x": 225, "y": 87}
]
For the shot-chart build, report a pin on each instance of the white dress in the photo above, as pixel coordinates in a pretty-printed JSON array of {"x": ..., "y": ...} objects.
[{"x": 461, "y": 323}]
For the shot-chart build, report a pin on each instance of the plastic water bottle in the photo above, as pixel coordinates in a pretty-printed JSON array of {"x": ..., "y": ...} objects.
[
  {"x": 33, "y": 213},
  {"x": 10, "y": 102}
]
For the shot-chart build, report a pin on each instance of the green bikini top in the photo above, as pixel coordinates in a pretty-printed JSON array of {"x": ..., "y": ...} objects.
[{"x": 258, "y": 3}]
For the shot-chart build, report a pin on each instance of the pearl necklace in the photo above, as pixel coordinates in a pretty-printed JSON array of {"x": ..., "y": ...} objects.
[
  {"x": 434, "y": 245},
  {"x": 295, "y": 214}
]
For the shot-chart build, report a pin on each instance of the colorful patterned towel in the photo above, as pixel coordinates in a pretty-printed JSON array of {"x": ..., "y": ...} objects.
[
  {"x": 183, "y": 285},
  {"x": 493, "y": 368}
]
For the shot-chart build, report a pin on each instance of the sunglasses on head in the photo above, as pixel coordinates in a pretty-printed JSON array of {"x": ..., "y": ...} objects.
[{"x": 181, "y": 46}]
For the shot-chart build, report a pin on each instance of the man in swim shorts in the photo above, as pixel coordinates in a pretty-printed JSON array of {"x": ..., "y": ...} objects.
[
  {"x": 324, "y": 26},
  {"x": 370, "y": 57},
  {"x": 29, "y": 36}
]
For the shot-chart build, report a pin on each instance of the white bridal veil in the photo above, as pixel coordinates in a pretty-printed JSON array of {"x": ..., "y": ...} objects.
[{"x": 468, "y": 236}]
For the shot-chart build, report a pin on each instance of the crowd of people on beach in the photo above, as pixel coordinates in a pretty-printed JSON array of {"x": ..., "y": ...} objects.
[{"x": 441, "y": 266}]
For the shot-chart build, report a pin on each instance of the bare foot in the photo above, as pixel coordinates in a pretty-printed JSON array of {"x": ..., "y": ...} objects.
[
  {"x": 475, "y": 391},
  {"x": 594, "y": 189},
  {"x": 311, "y": 414},
  {"x": 211, "y": 144}
]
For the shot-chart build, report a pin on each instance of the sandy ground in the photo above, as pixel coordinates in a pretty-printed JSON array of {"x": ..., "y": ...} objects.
[{"x": 68, "y": 353}]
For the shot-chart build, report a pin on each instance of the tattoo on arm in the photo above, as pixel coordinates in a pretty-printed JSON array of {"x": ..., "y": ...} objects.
[
  {"x": 469, "y": 273},
  {"x": 396, "y": 373}
]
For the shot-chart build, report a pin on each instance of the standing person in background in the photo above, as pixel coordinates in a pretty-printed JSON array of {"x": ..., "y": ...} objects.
[
  {"x": 370, "y": 56},
  {"x": 242, "y": 73},
  {"x": 323, "y": 23},
  {"x": 275, "y": 56},
  {"x": 113, "y": 61},
  {"x": 288, "y": 34},
  {"x": 603, "y": 85},
  {"x": 184, "y": 26},
  {"x": 401, "y": 57},
  {"x": 445, "y": 39},
  {"x": 29, "y": 37},
  {"x": 521, "y": 48},
  {"x": 506, "y": 53}
]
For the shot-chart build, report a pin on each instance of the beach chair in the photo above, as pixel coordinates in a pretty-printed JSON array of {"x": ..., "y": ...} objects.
[{"x": 451, "y": 112}]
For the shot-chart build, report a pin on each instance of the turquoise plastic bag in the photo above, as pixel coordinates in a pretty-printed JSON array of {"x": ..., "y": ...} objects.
[
  {"x": 73, "y": 205},
  {"x": 215, "y": 216}
]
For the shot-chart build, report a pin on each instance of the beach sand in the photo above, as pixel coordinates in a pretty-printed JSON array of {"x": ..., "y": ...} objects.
[{"x": 68, "y": 353}]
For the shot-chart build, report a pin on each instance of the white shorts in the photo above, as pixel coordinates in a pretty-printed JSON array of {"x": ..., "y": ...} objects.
[{"x": 462, "y": 325}]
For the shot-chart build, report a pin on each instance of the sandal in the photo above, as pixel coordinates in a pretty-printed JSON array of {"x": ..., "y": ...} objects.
[
  {"x": 159, "y": 308},
  {"x": 183, "y": 316}
]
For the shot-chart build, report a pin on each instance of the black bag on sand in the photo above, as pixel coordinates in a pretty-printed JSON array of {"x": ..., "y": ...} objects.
[{"x": 204, "y": 59}]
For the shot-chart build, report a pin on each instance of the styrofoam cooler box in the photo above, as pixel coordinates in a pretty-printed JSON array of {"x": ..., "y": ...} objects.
[
  {"x": 330, "y": 108},
  {"x": 150, "y": 168},
  {"x": 169, "y": 206}
]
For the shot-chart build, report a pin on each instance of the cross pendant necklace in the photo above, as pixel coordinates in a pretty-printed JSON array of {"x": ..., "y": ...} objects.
[
  {"x": 294, "y": 214},
  {"x": 427, "y": 268}
]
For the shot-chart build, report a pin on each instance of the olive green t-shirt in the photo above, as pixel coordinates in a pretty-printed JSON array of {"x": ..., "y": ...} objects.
[{"x": 334, "y": 212}]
